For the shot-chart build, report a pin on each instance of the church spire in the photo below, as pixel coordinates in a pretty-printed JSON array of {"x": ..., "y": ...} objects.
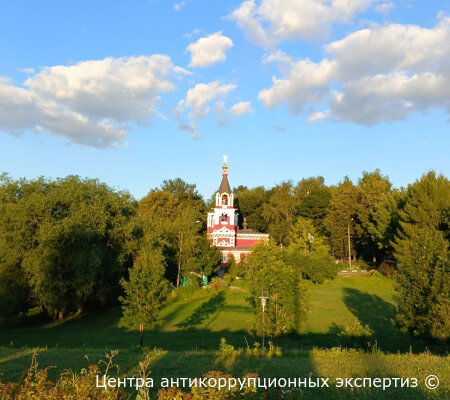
[
  {"x": 224, "y": 185},
  {"x": 225, "y": 166}
]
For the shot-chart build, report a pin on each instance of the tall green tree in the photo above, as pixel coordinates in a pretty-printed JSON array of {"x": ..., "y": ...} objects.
[
  {"x": 374, "y": 191},
  {"x": 269, "y": 276},
  {"x": 315, "y": 205},
  {"x": 280, "y": 211},
  {"x": 341, "y": 218},
  {"x": 308, "y": 252},
  {"x": 208, "y": 258},
  {"x": 250, "y": 203},
  {"x": 423, "y": 284},
  {"x": 385, "y": 222},
  {"x": 304, "y": 235},
  {"x": 146, "y": 291},
  {"x": 307, "y": 186},
  {"x": 422, "y": 249},
  {"x": 184, "y": 233},
  {"x": 72, "y": 238}
]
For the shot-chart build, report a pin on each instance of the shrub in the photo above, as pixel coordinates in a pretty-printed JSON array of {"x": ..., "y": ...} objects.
[
  {"x": 360, "y": 265},
  {"x": 355, "y": 335},
  {"x": 217, "y": 283},
  {"x": 387, "y": 268}
]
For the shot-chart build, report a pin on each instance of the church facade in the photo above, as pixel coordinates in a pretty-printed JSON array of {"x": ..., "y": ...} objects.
[{"x": 223, "y": 228}]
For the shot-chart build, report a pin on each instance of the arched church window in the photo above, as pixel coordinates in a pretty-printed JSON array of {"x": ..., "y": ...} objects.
[
  {"x": 224, "y": 200},
  {"x": 224, "y": 217}
]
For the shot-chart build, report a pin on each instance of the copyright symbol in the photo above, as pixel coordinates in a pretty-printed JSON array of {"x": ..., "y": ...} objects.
[{"x": 431, "y": 382}]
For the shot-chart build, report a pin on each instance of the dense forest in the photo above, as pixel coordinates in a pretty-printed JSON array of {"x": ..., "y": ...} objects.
[{"x": 67, "y": 244}]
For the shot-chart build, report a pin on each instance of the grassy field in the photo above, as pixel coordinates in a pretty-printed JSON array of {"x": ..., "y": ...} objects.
[{"x": 190, "y": 331}]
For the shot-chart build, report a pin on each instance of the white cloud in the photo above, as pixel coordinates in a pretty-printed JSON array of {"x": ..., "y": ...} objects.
[
  {"x": 181, "y": 71},
  {"x": 303, "y": 84},
  {"x": 241, "y": 108},
  {"x": 384, "y": 8},
  {"x": 119, "y": 89},
  {"x": 209, "y": 50},
  {"x": 373, "y": 75},
  {"x": 317, "y": 116},
  {"x": 18, "y": 108},
  {"x": 88, "y": 103},
  {"x": 179, "y": 6},
  {"x": 221, "y": 113},
  {"x": 267, "y": 22},
  {"x": 199, "y": 97},
  {"x": 27, "y": 70}
]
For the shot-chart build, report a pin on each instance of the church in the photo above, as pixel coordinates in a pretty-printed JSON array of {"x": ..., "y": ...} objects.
[{"x": 223, "y": 228}]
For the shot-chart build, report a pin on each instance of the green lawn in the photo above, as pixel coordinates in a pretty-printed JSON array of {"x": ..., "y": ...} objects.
[{"x": 190, "y": 331}]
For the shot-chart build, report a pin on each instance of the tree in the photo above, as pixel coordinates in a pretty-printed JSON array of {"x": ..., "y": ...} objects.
[
  {"x": 270, "y": 276},
  {"x": 384, "y": 223},
  {"x": 280, "y": 211},
  {"x": 341, "y": 218},
  {"x": 315, "y": 205},
  {"x": 308, "y": 253},
  {"x": 208, "y": 257},
  {"x": 423, "y": 284},
  {"x": 422, "y": 249},
  {"x": 64, "y": 242},
  {"x": 305, "y": 236},
  {"x": 186, "y": 193},
  {"x": 374, "y": 191},
  {"x": 250, "y": 204},
  {"x": 145, "y": 291},
  {"x": 176, "y": 211},
  {"x": 307, "y": 186},
  {"x": 184, "y": 231}
]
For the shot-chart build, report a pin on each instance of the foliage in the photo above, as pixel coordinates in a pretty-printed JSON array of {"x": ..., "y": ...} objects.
[
  {"x": 270, "y": 276},
  {"x": 145, "y": 291},
  {"x": 70, "y": 386},
  {"x": 176, "y": 211},
  {"x": 304, "y": 236},
  {"x": 341, "y": 217},
  {"x": 318, "y": 267},
  {"x": 355, "y": 335},
  {"x": 352, "y": 209},
  {"x": 217, "y": 283},
  {"x": 280, "y": 211},
  {"x": 422, "y": 248},
  {"x": 227, "y": 355},
  {"x": 384, "y": 222},
  {"x": 313, "y": 199},
  {"x": 250, "y": 204},
  {"x": 423, "y": 284},
  {"x": 63, "y": 243},
  {"x": 374, "y": 190},
  {"x": 387, "y": 269},
  {"x": 208, "y": 257}
]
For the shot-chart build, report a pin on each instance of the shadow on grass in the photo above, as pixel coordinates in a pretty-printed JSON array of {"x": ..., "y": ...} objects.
[
  {"x": 379, "y": 315},
  {"x": 204, "y": 311}
]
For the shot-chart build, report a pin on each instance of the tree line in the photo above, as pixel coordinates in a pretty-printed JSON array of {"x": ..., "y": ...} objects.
[{"x": 72, "y": 243}]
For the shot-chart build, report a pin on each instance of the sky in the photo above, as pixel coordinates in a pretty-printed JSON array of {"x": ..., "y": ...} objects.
[{"x": 135, "y": 92}]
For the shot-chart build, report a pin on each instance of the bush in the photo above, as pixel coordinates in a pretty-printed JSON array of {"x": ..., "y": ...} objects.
[
  {"x": 186, "y": 291},
  {"x": 217, "y": 283},
  {"x": 360, "y": 265},
  {"x": 387, "y": 268},
  {"x": 355, "y": 335},
  {"x": 317, "y": 267}
]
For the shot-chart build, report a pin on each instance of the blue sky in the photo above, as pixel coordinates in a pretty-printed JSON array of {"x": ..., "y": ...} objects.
[{"x": 136, "y": 92}]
